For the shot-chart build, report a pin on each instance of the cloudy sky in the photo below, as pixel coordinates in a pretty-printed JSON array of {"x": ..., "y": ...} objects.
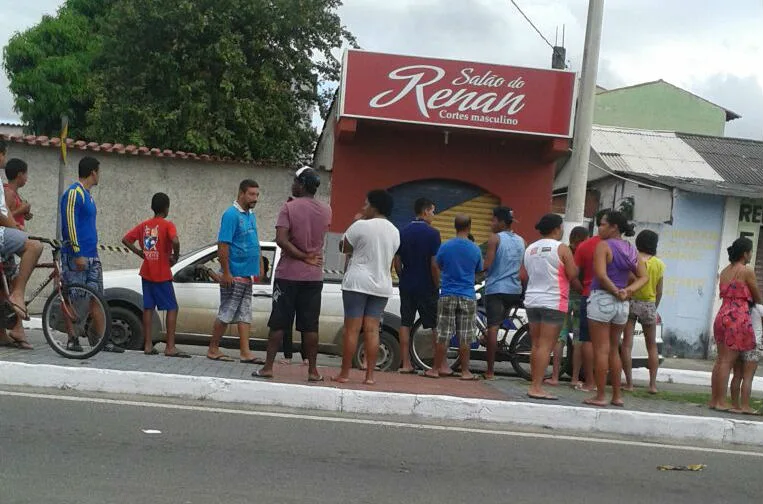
[{"x": 705, "y": 46}]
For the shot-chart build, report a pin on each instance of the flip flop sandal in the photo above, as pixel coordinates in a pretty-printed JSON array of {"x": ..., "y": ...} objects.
[
  {"x": 179, "y": 355},
  {"x": 406, "y": 371},
  {"x": 20, "y": 344},
  {"x": 313, "y": 379},
  {"x": 153, "y": 351},
  {"x": 253, "y": 360},
  {"x": 221, "y": 358},
  {"x": 543, "y": 397},
  {"x": 430, "y": 376},
  {"x": 258, "y": 374},
  {"x": 471, "y": 378}
]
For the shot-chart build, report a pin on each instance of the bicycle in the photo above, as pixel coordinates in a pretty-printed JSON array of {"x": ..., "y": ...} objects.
[
  {"x": 71, "y": 312},
  {"x": 513, "y": 345}
]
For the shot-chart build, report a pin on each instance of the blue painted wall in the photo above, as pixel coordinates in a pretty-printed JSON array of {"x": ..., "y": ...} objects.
[{"x": 690, "y": 248}]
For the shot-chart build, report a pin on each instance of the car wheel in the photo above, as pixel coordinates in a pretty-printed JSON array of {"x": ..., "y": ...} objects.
[
  {"x": 126, "y": 328},
  {"x": 388, "y": 358}
]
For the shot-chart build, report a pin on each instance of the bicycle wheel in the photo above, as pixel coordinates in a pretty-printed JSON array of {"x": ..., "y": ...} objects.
[
  {"x": 521, "y": 350},
  {"x": 76, "y": 322},
  {"x": 422, "y": 349}
]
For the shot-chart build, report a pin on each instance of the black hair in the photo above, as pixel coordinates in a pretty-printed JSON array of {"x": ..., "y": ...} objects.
[
  {"x": 599, "y": 215},
  {"x": 646, "y": 242},
  {"x": 548, "y": 223},
  {"x": 14, "y": 167},
  {"x": 739, "y": 248},
  {"x": 309, "y": 180},
  {"x": 462, "y": 222},
  {"x": 3, "y": 146},
  {"x": 422, "y": 204},
  {"x": 471, "y": 237},
  {"x": 579, "y": 233},
  {"x": 160, "y": 203},
  {"x": 615, "y": 218},
  {"x": 381, "y": 200},
  {"x": 88, "y": 165},
  {"x": 247, "y": 184},
  {"x": 504, "y": 214}
]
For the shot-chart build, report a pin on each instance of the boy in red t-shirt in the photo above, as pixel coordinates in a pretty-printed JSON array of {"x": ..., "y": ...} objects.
[{"x": 159, "y": 249}]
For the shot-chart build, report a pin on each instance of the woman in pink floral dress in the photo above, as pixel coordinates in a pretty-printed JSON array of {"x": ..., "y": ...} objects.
[{"x": 733, "y": 328}]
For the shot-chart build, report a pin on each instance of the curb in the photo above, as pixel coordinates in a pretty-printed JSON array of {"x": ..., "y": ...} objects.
[
  {"x": 687, "y": 377},
  {"x": 718, "y": 431}
]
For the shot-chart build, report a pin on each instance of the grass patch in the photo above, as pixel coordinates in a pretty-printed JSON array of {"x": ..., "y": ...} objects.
[{"x": 686, "y": 397}]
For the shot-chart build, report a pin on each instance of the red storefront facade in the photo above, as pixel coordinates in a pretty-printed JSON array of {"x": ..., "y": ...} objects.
[{"x": 466, "y": 135}]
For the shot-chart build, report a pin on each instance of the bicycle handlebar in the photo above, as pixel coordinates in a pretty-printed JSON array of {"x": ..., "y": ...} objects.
[{"x": 56, "y": 244}]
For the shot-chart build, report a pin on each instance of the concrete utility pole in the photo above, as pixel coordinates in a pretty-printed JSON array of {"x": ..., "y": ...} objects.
[
  {"x": 61, "y": 174},
  {"x": 576, "y": 192}
]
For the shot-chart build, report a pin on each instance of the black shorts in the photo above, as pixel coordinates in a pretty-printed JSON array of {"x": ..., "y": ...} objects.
[
  {"x": 296, "y": 298},
  {"x": 498, "y": 306},
  {"x": 584, "y": 336},
  {"x": 424, "y": 304}
]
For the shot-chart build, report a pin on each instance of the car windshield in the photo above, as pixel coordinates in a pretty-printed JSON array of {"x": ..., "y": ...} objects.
[{"x": 194, "y": 251}]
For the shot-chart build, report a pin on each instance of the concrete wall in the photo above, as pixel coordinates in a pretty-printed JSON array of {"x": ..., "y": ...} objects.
[
  {"x": 659, "y": 106},
  {"x": 650, "y": 205},
  {"x": 690, "y": 248},
  {"x": 199, "y": 192}
]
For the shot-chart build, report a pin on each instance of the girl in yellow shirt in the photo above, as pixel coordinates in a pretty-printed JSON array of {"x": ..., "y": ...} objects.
[{"x": 643, "y": 307}]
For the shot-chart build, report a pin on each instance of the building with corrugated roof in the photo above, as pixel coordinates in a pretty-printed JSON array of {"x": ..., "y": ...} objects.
[{"x": 699, "y": 193}]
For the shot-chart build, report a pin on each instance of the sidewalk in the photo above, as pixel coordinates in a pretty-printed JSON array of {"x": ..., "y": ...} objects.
[{"x": 503, "y": 400}]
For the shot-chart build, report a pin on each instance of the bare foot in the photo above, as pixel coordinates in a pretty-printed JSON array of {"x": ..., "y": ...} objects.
[
  {"x": 595, "y": 402},
  {"x": 617, "y": 402},
  {"x": 429, "y": 373},
  {"x": 446, "y": 374},
  {"x": 469, "y": 377},
  {"x": 653, "y": 390},
  {"x": 551, "y": 382},
  {"x": 19, "y": 306},
  {"x": 628, "y": 388},
  {"x": 368, "y": 382},
  {"x": 340, "y": 379},
  {"x": 574, "y": 384}
]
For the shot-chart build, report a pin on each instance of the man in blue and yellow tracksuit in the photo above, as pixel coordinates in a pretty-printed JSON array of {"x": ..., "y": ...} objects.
[{"x": 80, "y": 261}]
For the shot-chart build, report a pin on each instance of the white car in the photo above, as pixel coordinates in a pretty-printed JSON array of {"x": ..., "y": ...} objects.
[{"x": 198, "y": 300}]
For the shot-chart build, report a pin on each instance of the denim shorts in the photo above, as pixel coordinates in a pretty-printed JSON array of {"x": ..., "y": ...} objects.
[
  {"x": 605, "y": 308},
  {"x": 91, "y": 276},
  {"x": 11, "y": 242},
  {"x": 359, "y": 305}
]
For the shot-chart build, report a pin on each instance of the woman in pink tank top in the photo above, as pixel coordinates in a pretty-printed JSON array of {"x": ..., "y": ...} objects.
[{"x": 614, "y": 261}]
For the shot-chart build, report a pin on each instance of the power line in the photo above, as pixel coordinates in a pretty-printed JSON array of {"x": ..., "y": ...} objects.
[
  {"x": 532, "y": 24},
  {"x": 643, "y": 184}
]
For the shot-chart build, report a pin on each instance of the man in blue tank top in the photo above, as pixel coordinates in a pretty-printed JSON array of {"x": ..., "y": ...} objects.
[{"x": 503, "y": 262}]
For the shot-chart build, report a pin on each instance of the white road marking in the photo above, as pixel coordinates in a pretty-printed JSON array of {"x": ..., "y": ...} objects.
[
  {"x": 377, "y": 423},
  {"x": 151, "y": 431}
]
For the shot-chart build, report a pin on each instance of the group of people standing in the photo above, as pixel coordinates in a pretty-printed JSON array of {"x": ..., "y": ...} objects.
[{"x": 595, "y": 288}]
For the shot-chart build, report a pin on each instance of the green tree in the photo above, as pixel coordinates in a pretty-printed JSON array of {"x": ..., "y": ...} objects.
[
  {"x": 49, "y": 67},
  {"x": 230, "y": 77}
]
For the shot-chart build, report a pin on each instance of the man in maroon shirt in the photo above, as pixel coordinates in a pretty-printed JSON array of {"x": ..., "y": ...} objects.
[
  {"x": 584, "y": 262},
  {"x": 300, "y": 233}
]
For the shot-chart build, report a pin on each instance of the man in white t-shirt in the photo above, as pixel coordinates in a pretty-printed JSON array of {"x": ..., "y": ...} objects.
[{"x": 371, "y": 243}]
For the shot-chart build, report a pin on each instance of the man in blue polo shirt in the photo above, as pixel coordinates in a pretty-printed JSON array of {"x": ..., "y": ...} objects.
[
  {"x": 416, "y": 268},
  {"x": 238, "y": 249}
]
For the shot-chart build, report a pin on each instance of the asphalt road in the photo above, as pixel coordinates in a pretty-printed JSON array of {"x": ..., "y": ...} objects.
[{"x": 92, "y": 450}]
